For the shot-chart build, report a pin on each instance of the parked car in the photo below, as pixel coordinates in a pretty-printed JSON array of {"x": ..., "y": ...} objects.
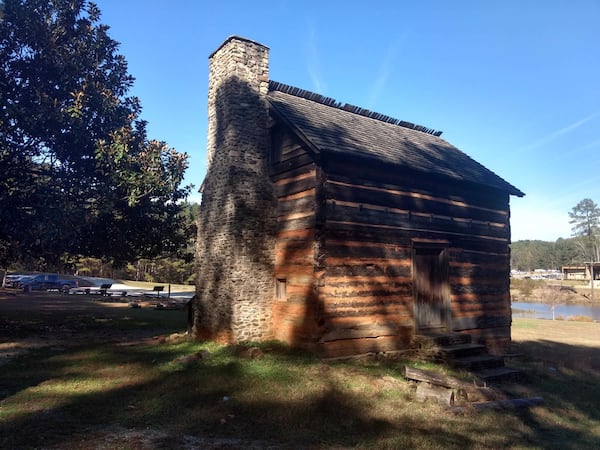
[
  {"x": 13, "y": 279},
  {"x": 44, "y": 282}
]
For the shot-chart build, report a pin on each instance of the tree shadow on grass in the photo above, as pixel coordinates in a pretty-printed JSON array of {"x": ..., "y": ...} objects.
[
  {"x": 223, "y": 396},
  {"x": 213, "y": 397},
  {"x": 568, "y": 378}
]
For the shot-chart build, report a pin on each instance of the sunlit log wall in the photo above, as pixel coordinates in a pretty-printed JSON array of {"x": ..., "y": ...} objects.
[
  {"x": 295, "y": 177},
  {"x": 373, "y": 218},
  {"x": 345, "y": 245}
]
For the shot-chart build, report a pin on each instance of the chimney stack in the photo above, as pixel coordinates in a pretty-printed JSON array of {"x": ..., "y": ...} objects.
[{"x": 237, "y": 223}]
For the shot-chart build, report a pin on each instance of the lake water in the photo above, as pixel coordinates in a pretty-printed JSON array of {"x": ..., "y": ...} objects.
[{"x": 543, "y": 311}]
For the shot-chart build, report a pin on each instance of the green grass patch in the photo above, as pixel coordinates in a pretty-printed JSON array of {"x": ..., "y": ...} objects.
[
  {"x": 73, "y": 396},
  {"x": 528, "y": 324}
]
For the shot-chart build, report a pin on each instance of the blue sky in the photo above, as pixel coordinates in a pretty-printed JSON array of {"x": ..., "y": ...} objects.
[{"x": 512, "y": 83}]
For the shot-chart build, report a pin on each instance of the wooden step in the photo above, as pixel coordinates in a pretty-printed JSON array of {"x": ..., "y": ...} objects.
[
  {"x": 457, "y": 350},
  {"x": 498, "y": 374},
  {"x": 478, "y": 362},
  {"x": 444, "y": 339},
  {"x": 453, "y": 352}
]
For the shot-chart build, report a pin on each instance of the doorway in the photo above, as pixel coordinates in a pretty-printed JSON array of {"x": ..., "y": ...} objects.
[{"x": 431, "y": 288}]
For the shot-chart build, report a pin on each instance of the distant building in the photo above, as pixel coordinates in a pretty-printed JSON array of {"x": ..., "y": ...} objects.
[{"x": 582, "y": 272}]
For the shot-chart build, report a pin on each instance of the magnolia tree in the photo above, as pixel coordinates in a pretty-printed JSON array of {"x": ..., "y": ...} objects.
[{"x": 79, "y": 175}]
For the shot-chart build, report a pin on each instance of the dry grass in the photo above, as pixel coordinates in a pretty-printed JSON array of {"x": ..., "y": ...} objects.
[{"x": 150, "y": 394}]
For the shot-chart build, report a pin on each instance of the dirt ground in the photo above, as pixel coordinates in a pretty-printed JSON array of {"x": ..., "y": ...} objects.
[{"x": 41, "y": 319}]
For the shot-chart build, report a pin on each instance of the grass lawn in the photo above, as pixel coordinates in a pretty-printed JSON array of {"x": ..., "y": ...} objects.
[{"x": 142, "y": 394}]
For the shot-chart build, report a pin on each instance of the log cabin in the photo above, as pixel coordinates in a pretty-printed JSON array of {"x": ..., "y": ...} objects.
[{"x": 337, "y": 229}]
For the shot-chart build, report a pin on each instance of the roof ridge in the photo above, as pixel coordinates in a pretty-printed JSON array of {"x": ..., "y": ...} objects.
[{"x": 328, "y": 101}]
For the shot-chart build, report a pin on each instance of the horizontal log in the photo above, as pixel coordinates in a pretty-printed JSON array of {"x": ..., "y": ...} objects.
[
  {"x": 363, "y": 275},
  {"x": 359, "y": 332},
  {"x": 411, "y": 201},
  {"x": 297, "y": 177},
  {"x": 364, "y": 299},
  {"x": 389, "y": 236},
  {"x": 366, "y": 250},
  {"x": 298, "y": 335},
  {"x": 385, "y": 269},
  {"x": 459, "y": 262},
  {"x": 298, "y": 164},
  {"x": 459, "y": 313},
  {"x": 403, "y": 236},
  {"x": 291, "y": 270},
  {"x": 465, "y": 390},
  {"x": 498, "y": 281},
  {"x": 493, "y": 271},
  {"x": 439, "y": 394},
  {"x": 289, "y": 187},
  {"x": 368, "y": 215},
  {"x": 308, "y": 222},
  {"x": 281, "y": 246},
  {"x": 285, "y": 142},
  {"x": 485, "y": 305},
  {"x": 469, "y": 255},
  {"x": 291, "y": 151},
  {"x": 286, "y": 309},
  {"x": 294, "y": 255},
  {"x": 480, "y": 322},
  {"x": 478, "y": 289},
  {"x": 434, "y": 378},
  {"x": 300, "y": 204},
  {"x": 479, "y": 298},
  {"x": 364, "y": 312},
  {"x": 369, "y": 289},
  {"x": 304, "y": 235},
  {"x": 300, "y": 290},
  {"x": 388, "y": 176},
  {"x": 479, "y": 394},
  {"x": 383, "y": 301},
  {"x": 354, "y": 307},
  {"x": 308, "y": 193},
  {"x": 403, "y": 321},
  {"x": 348, "y": 347}
]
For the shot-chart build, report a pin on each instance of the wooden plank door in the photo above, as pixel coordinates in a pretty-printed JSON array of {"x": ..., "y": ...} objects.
[{"x": 431, "y": 288}]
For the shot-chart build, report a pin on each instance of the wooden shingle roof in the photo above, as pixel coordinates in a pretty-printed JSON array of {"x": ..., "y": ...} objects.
[{"x": 332, "y": 127}]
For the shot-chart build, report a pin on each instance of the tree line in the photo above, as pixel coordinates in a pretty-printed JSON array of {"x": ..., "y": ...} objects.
[
  {"x": 583, "y": 246},
  {"x": 79, "y": 176},
  {"x": 528, "y": 255},
  {"x": 177, "y": 269}
]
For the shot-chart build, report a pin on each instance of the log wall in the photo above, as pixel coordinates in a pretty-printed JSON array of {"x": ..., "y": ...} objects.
[
  {"x": 295, "y": 176},
  {"x": 345, "y": 245},
  {"x": 366, "y": 285}
]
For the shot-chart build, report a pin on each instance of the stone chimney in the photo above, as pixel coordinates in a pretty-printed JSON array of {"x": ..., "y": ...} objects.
[{"x": 237, "y": 223}]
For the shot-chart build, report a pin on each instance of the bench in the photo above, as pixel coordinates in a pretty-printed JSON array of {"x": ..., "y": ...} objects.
[
  {"x": 103, "y": 290},
  {"x": 158, "y": 290}
]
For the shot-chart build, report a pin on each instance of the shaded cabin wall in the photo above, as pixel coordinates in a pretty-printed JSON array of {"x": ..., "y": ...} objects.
[
  {"x": 373, "y": 220},
  {"x": 296, "y": 180}
]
